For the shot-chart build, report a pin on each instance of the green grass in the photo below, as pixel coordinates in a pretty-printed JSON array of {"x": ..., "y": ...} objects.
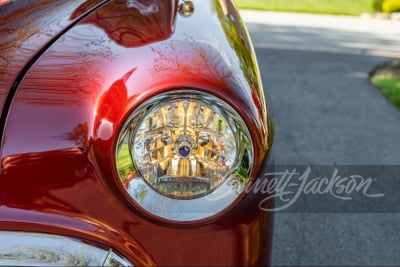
[
  {"x": 390, "y": 87},
  {"x": 124, "y": 160},
  {"x": 338, "y": 7}
]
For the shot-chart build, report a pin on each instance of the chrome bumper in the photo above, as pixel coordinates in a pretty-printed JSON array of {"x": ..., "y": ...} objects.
[{"x": 33, "y": 249}]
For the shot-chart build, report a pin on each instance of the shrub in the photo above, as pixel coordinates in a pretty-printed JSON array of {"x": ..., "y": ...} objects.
[
  {"x": 377, "y": 5},
  {"x": 390, "y": 6}
]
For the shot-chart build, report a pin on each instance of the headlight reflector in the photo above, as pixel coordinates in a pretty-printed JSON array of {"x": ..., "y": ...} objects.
[{"x": 184, "y": 149}]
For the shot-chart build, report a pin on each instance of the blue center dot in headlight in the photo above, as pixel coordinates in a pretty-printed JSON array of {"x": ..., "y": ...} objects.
[{"x": 184, "y": 151}]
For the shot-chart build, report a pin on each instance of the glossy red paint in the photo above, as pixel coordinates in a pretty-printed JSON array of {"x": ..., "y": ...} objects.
[
  {"x": 57, "y": 166},
  {"x": 26, "y": 27}
]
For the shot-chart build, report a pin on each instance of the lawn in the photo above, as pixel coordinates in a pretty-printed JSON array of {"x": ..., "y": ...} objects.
[
  {"x": 338, "y": 7},
  {"x": 124, "y": 160},
  {"x": 390, "y": 87}
]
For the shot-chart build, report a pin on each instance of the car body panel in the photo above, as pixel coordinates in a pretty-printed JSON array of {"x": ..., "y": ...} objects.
[
  {"x": 58, "y": 170},
  {"x": 27, "y": 27}
]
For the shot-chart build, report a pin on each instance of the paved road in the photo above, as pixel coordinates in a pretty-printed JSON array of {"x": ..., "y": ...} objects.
[{"x": 316, "y": 71}]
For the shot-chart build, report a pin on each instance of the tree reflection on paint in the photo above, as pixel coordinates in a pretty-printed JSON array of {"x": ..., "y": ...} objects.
[
  {"x": 25, "y": 28},
  {"x": 193, "y": 60},
  {"x": 133, "y": 24},
  {"x": 79, "y": 135}
]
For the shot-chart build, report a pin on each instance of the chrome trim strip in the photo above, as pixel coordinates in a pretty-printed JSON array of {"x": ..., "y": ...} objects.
[{"x": 35, "y": 249}]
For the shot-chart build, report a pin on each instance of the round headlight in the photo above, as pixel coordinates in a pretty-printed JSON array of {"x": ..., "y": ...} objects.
[{"x": 184, "y": 155}]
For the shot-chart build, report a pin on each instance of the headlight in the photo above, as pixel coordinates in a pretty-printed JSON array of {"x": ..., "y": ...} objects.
[{"x": 184, "y": 155}]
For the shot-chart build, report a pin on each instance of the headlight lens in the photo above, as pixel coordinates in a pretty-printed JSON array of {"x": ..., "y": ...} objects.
[
  {"x": 184, "y": 155},
  {"x": 183, "y": 148}
]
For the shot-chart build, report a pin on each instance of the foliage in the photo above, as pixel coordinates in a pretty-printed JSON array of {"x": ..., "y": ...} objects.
[
  {"x": 389, "y": 86},
  {"x": 377, "y": 5},
  {"x": 390, "y": 6},
  {"x": 124, "y": 158},
  {"x": 344, "y": 7}
]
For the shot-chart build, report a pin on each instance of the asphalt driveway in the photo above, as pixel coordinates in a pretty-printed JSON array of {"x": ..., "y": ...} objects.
[{"x": 315, "y": 68}]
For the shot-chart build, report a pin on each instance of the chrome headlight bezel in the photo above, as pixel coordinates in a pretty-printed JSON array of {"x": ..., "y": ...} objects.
[{"x": 200, "y": 207}]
